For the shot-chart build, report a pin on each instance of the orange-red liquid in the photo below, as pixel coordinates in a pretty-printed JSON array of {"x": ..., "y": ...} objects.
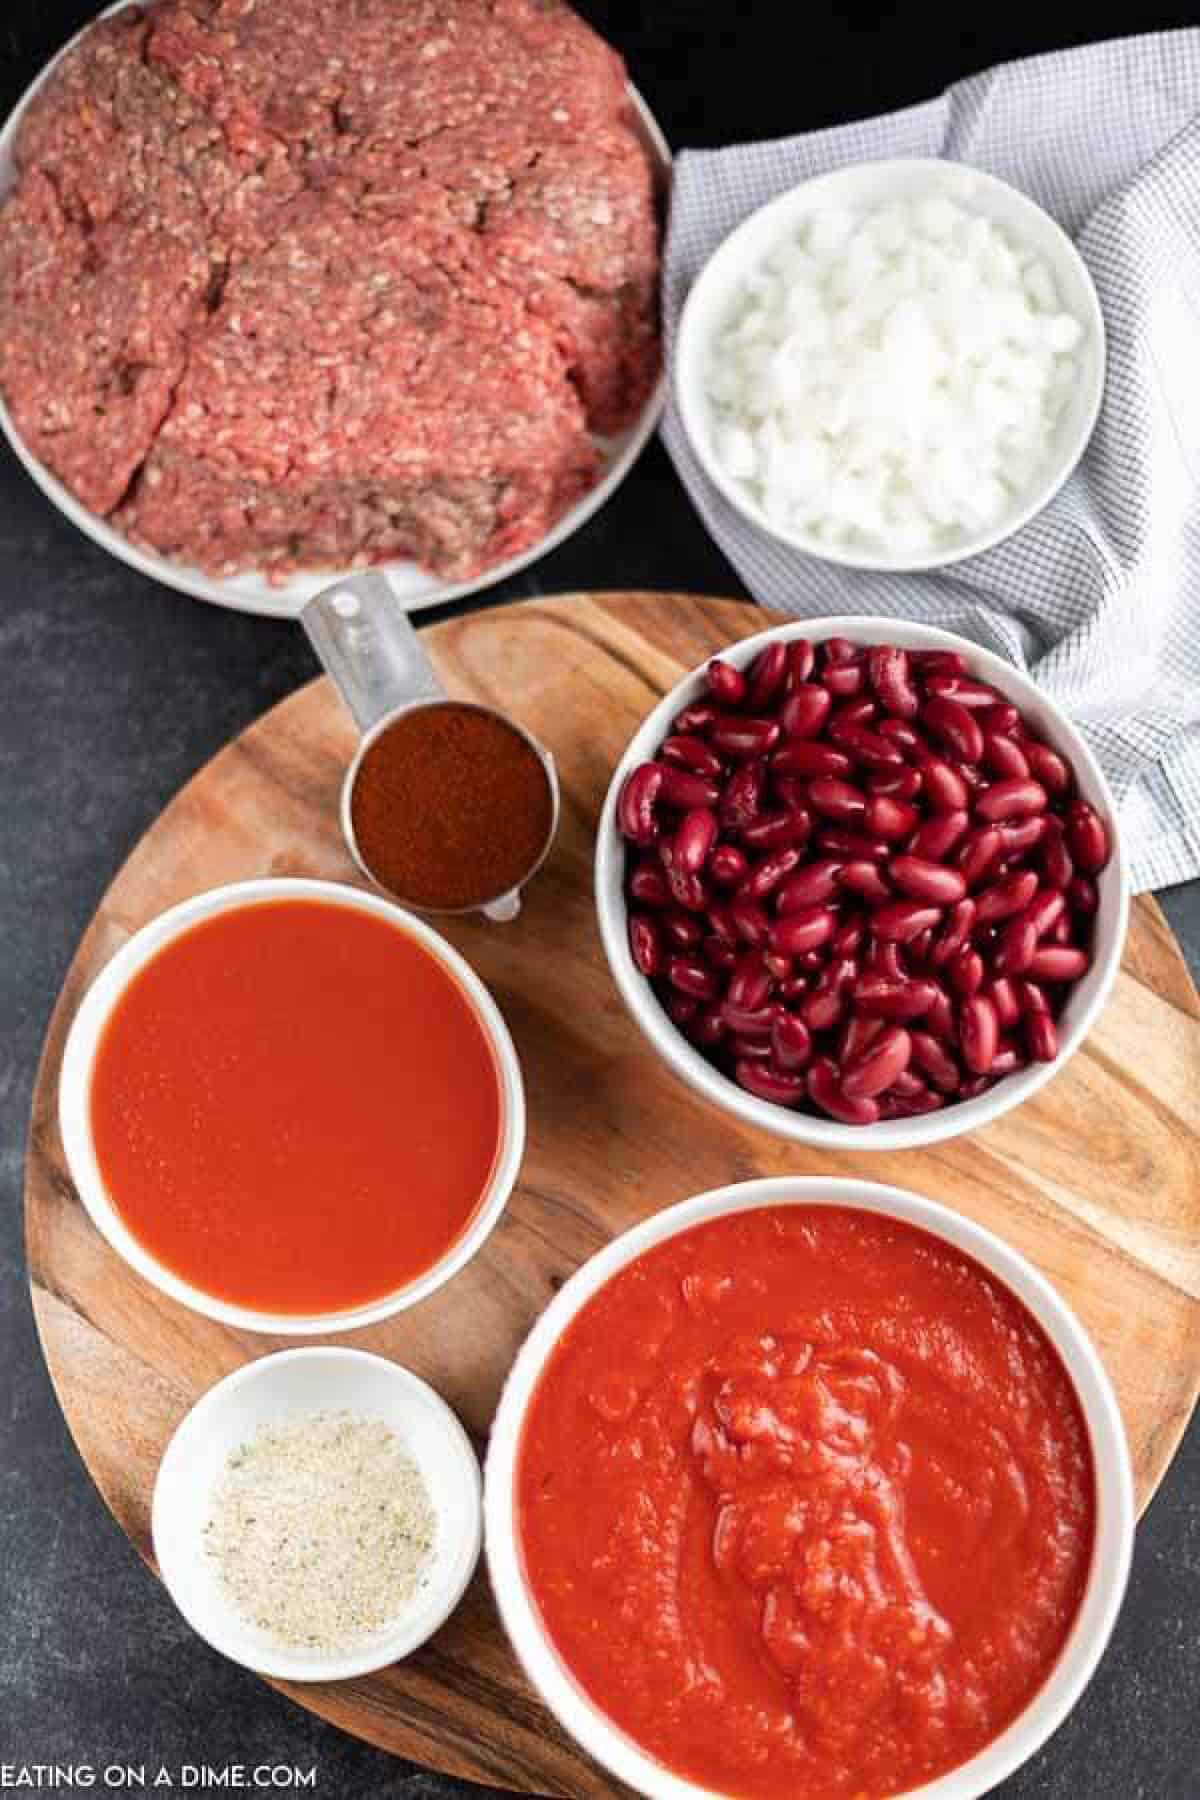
[{"x": 295, "y": 1107}]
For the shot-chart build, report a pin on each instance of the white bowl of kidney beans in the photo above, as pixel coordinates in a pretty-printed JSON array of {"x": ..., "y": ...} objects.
[{"x": 860, "y": 883}]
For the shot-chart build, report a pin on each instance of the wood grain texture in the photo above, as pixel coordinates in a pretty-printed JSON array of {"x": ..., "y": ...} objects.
[{"x": 1094, "y": 1178}]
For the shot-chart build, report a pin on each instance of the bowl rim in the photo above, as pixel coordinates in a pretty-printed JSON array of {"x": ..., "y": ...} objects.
[
  {"x": 687, "y": 350},
  {"x": 686, "y": 1061},
  {"x": 391, "y": 1643},
  {"x": 82, "y": 1044},
  {"x": 620, "y": 452},
  {"x": 1115, "y": 1513}
]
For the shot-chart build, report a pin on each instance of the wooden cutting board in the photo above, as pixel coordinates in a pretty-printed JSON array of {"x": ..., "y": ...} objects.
[{"x": 1095, "y": 1178}]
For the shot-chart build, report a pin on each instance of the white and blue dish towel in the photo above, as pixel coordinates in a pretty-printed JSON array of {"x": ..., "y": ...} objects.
[{"x": 1099, "y": 597}]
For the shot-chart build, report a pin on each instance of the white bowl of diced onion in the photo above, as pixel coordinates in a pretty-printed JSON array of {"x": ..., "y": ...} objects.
[{"x": 893, "y": 366}]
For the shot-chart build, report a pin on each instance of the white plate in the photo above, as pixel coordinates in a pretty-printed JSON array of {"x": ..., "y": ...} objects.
[{"x": 414, "y": 587}]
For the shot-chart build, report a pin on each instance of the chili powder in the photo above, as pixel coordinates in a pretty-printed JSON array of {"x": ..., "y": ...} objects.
[{"x": 451, "y": 806}]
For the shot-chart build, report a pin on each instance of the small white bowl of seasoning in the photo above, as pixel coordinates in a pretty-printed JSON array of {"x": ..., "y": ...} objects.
[
  {"x": 892, "y": 366},
  {"x": 317, "y": 1515}
]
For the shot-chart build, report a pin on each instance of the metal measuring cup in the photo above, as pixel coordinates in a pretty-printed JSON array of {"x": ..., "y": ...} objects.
[{"x": 374, "y": 658}]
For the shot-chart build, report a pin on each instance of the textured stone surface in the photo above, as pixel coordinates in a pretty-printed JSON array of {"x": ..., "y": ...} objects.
[{"x": 112, "y": 691}]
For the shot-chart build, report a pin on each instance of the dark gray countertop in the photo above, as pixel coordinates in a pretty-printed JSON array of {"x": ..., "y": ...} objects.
[{"x": 112, "y": 692}]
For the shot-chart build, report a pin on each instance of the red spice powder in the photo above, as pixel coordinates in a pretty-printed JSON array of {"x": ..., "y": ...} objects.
[{"x": 451, "y": 807}]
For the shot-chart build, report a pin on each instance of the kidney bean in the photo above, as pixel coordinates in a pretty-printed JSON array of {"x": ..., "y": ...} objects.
[
  {"x": 844, "y": 679},
  {"x": 974, "y": 1086},
  {"x": 750, "y": 921},
  {"x": 721, "y": 925},
  {"x": 740, "y": 736},
  {"x": 898, "y": 784},
  {"x": 954, "y": 933},
  {"x": 935, "y": 838},
  {"x": 1041, "y": 1036},
  {"x": 750, "y": 984},
  {"x": 635, "y": 809},
  {"x": 696, "y": 718},
  {"x": 1017, "y": 946},
  {"x": 892, "y": 999},
  {"x": 766, "y": 1082},
  {"x": 935, "y": 1061},
  {"x": 775, "y": 831},
  {"x": 944, "y": 787},
  {"x": 801, "y": 930},
  {"x": 861, "y": 711},
  {"x": 840, "y": 650},
  {"x": 890, "y": 676},
  {"x": 910, "y": 1106},
  {"x": 812, "y": 962},
  {"x": 648, "y": 885},
  {"x": 791, "y": 1042},
  {"x": 847, "y": 940},
  {"x": 725, "y": 683},
  {"x": 692, "y": 975},
  {"x": 1003, "y": 756},
  {"x": 837, "y": 800},
  {"x": 966, "y": 692},
  {"x": 863, "y": 877},
  {"x": 801, "y": 658},
  {"x": 879, "y": 1065},
  {"x": 856, "y": 1034},
  {"x": 1045, "y": 909},
  {"x": 1004, "y": 898},
  {"x": 694, "y": 838},
  {"x": 922, "y": 879},
  {"x": 890, "y": 818},
  {"x": 884, "y": 958},
  {"x": 741, "y": 801},
  {"x": 1087, "y": 838},
  {"x": 766, "y": 677},
  {"x": 684, "y": 929},
  {"x": 1017, "y": 836},
  {"x": 802, "y": 757},
  {"x": 748, "y": 1022},
  {"x": 793, "y": 990},
  {"x": 688, "y": 889},
  {"x": 778, "y": 967},
  {"x": 906, "y": 737},
  {"x": 681, "y": 1009},
  {"x": 1031, "y": 997},
  {"x": 791, "y": 791},
  {"x": 903, "y": 920},
  {"x": 728, "y": 866},
  {"x": 1002, "y": 992},
  {"x": 645, "y": 944},
  {"x": 1015, "y": 799},
  {"x": 1007, "y": 1060},
  {"x": 906, "y": 1084},
  {"x": 721, "y": 955},
  {"x": 977, "y": 853},
  {"x": 939, "y": 1020},
  {"x": 938, "y": 662},
  {"x": 1059, "y": 962},
  {"x": 766, "y": 876},
  {"x": 965, "y": 971},
  {"x": 682, "y": 789},
  {"x": 1003, "y": 719},
  {"x": 811, "y": 886},
  {"x": 852, "y": 846},
  {"x": 1083, "y": 896},
  {"x": 1056, "y": 862},
  {"x": 918, "y": 950},
  {"x": 805, "y": 710},
  {"x": 952, "y": 724},
  {"x": 1062, "y": 931},
  {"x": 1048, "y": 767},
  {"x": 825, "y": 1091},
  {"x": 978, "y": 1033},
  {"x": 689, "y": 752},
  {"x": 754, "y": 1050},
  {"x": 869, "y": 748}
]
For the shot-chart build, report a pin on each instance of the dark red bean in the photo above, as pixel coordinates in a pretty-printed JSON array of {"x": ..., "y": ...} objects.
[
  {"x": 741, "y": 800},
  {"x": 741, "y": 737},
  {"x": 869, "y": 748},
  {"x": 778, "y": 967},
  {"x": 1031, "y": 997},
  {"x": 974, "y": 1086},
  {"x": 791, "y": 791},
  {"x": 965, "y": 971},
  {"x": 683, "y": 929},
  {"x": 879, "y": 1064},
  {"x": 1062, "y": 931},
  {"x": 902, "y": 920},
  {"x": 1059, "y": 962},
  {"x": 766, "y": 677},
  {"x": 964, "y": 691},
  {"x": 681, "y": 1009},
  {"x": 750, "y": 984},
  {"x": 721, "y": 924},
  {"x": 648, "y": 885},
  {"x": 810, "y": 886},
  {"x": 645, "y": 944},
  {"x": 909, "y": 1106},
  {"x": 899, "y": 784},
  {"x": 1017, "y": 946},
  {"x": 682, "y": 789},
  {"x": 853, "y": 846},
  {"x": 954, "y": 933},
  {"x": 932, "y": 882},
  {"x": 1003, "y": 756},
  {"x": 1045, "y": 909},
  {"x": 844, "y": 679},
  {"x": 743, "y": 1049},
  {"x": 1002, "y": 993},
  {"x": 1003, "y": 719},
  {"x": 889, "y": 674},
  {"x": 864, "y": 878},
  {"x": 805, "y": 710},
  {"x": 696, "y": 718},
  {"x": 856, "y": 1034},
  {"x": 978, "y": 1033},
  {"x": 1056, "y": 862},
  {"x": 848, "y": 939},
  {"x": 944, "y": 787},
  {"x": 1083, "y": 896},
  {"x": 890, "y": 818},
  {"x": 952, "y": 724},
  {"x": 636, "y": 819},
  {"x": 824, "y": 1006},
  {"x": 695, "y": 837},
  {"x": 721, "y": 955},
  {"x": 837, "y": 800},
  {"x": 977, "y": 853},
  {"x": 801, "y": 658},
  {"x": 940, "y": 1018},
  {"x": 707, "y": 1028},
  {"x": 902, "y": 734},
  {"x": 791, "y": 1042},
  {"x": 938, "y": 662},
  {"x": 1041, "y": 1036},
  {"x": 692, "y": 976},
  {"x": 766, "y": 876},
  {"x": 746, "y": 1023},
  {"x": 1005, "y": 898},
  {"x": 1087, "y": 838},
  {"x": 1017, "y": 836},
  {"x": 1007, "y": 1060},
  {"x": 687, "y": 889},
  {"x": 935, "y": 1061},
  {"x": 886, "y": 958},
  {"x": 800, "y": 756},
  {"x": 935, "y": 838},
  {"x": 804, "y": 929},
  {"x": 725, "y": 683},
  {"x": 728, "y": 866},
  {"x": 793, "y": 990},
  {"x": 750, "y": 921},
  {"x": 891, "y": 999},
  {"x": 825, "y": 1091},
  {"x": 692, "y": 753},
  {"x": 769, "y": 1083},
  {"x": 775, "y": 831},
  {"x": 1048, "y": 767},
  {"x": 1015, "y": 799},
  {"x": 841, "y": 650}
]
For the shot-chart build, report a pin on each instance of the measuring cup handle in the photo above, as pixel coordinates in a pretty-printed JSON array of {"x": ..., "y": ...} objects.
[{"x": 368, "y": 648}]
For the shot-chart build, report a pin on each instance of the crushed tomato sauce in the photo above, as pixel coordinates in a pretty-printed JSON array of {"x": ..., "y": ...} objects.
[{"x": 806, "y": 1501}]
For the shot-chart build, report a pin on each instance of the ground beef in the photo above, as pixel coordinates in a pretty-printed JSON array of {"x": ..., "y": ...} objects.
[{"x": 287, "y": 284}]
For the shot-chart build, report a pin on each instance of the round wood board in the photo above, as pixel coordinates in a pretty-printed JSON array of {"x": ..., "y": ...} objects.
[{"x": 1094, "y": 1178}]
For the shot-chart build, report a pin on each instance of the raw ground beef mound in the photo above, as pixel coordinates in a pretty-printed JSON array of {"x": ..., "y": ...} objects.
[{"x": 287, "y": 284}]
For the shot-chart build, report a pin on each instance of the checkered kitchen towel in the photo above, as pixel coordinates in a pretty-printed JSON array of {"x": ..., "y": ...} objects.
[{"x": 1099, "y": 597}]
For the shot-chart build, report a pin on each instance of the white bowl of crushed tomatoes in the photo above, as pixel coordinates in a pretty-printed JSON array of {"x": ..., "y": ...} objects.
[
  {"x": 864, "y": 1486},
  {"x": 934, "y": 1099}
]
